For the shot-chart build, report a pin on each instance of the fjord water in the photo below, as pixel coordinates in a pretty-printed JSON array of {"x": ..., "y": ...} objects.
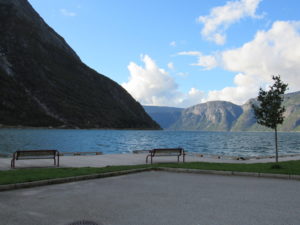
[{"x": 125, "y": 141}]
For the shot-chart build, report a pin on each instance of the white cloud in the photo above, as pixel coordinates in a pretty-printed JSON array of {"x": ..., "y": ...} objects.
[
  {"x": 171, "y": 65},
  {"x": 68, "y": 13},
  {"x": 192, "y": 53},
  {"x": 246, "y": 88},
  {"x": 207, "y": 61},
  {"x": 152, "y": 85},
  {"x": 182, "y": 74},
  {"x": 272, "y": 52},
  {"x": 220, "y": 18},
  {"x": 193, "y": 97},
  {"x": 173, "y": 44}
]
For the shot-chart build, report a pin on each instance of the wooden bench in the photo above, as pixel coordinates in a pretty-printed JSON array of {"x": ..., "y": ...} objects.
[
  {"x": 35, "y": 154},
  {"x": 166, "y": 152}
]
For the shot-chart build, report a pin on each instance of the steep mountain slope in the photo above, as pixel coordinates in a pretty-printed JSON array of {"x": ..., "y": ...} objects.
[
  {"x": 247, "y": 122},
  {"x": 44, "y": 83},
  {"x": 210, "y": 116},
  {"x": 292, "y": 114},
  {"x": 223, "y": 116},
  {"x": 164, "y": 116}
]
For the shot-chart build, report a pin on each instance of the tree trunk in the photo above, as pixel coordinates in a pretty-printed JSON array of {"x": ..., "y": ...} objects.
[{"x": 276, "y": 146}]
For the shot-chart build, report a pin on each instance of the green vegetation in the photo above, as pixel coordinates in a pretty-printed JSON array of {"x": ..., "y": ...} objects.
[
  {"x": 29, "y": 175},
  {"x": 269, "y": 111},
  {"x": 289, "y": 167}
]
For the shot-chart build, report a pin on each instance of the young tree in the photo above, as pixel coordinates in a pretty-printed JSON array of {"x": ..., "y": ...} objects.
[{"x": 269, "y": 110}]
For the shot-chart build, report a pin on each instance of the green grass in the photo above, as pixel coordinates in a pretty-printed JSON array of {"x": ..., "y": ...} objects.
[
  {"x": 29, "y": 175},
  {"x": 289, "y": 167}
]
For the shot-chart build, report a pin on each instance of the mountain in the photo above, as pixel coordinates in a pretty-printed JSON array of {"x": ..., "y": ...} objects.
[
  {"x": 164, "y": 116},
  {"x": 292, "y": 114},
  {"x": 226, "y": 116},
  {"x": 44, "y": 83},
  {"x": 210, "y": 116},
  {"x": 247, "y": 122}
]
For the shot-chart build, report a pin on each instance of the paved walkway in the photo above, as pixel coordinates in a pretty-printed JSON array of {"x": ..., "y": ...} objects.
[
  {"x": 156, "y": 198},
  {"x": 123, "y": 159}
]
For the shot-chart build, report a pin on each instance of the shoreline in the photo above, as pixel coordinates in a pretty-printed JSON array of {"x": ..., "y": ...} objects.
[
  {"x": 104, "y": 160},
  {"x": 20, "y": 127},
  {"x": 193, "y": 154}
]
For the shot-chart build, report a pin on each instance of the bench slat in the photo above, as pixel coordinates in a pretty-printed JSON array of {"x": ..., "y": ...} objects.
[
  {"x": 35, "y": 154},
  {"x": 166, "y": 152},
  {"x": 35, "y": 157}
]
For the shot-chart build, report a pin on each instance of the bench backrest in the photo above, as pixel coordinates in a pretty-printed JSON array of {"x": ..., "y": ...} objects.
[
  {"x": 26, "y": 153},
  {"x": 167, "y": 151}
]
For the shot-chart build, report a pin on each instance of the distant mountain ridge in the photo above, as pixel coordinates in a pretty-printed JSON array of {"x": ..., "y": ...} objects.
[
  {"x": 210, "y": 116},
  {"x": 44, "y": 83},
  {"x": 164, "y": 116},
  {"x": 226, "y": 116}
]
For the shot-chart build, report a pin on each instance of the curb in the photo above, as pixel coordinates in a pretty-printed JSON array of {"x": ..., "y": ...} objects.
[
  {"x": 8, "y": 187},
  {"x": 230, "y": 173}
]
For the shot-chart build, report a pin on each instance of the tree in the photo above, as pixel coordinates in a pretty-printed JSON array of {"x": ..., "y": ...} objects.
[{"x": 269, "y": 110}]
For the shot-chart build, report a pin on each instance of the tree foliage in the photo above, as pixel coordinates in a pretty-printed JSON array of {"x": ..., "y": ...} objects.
[{"x": 269, "y": 111}]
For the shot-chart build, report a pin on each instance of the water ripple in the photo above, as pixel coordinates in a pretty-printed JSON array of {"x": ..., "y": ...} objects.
[{"x": 125, "y": 141}]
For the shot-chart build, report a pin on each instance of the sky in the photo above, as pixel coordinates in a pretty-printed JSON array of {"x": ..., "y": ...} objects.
[{"x": 181, "y": 53}]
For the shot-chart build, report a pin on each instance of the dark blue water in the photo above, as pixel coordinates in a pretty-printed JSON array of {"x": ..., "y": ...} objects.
[{"x": 125, "y": 141}]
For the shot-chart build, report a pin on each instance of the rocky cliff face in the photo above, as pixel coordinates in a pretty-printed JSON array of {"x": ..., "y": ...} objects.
[
  {"x": 44, "y": 83},
  {"x": 210, "y": 116},
  {"x": 226, "y": 116},
  {"x": 247, "y": 122}
]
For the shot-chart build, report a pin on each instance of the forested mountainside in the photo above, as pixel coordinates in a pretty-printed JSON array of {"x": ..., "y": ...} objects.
[{"x": 44, "y": 83}]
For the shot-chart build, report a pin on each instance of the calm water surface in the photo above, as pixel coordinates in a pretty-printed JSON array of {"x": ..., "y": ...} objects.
[{"x": 125, "y": 141}]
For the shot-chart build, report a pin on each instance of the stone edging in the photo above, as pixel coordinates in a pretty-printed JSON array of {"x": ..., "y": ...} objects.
[
  {"x": 8, "y": 187},
  {"x": 230, "y": 173}
]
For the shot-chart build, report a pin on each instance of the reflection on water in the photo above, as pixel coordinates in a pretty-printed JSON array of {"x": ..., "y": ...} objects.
[{"x": 124, "y": 141}]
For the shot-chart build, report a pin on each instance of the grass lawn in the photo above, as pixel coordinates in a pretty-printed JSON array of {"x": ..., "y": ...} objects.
[{"x": 28, "y": 175}]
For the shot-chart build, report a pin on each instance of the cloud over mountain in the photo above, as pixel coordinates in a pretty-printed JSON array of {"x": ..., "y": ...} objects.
[
  {"x": 152, "y": 85},
  {"x": 271, "y": 52}
]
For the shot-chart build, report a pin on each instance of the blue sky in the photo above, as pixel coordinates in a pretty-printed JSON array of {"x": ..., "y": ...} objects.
[{"x": 182, "y": 53}]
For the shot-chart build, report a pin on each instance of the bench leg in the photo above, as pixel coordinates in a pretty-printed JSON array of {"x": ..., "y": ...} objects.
[
  {"x": 12, "y": 163},
  {"x": 150, "y": 159}
]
